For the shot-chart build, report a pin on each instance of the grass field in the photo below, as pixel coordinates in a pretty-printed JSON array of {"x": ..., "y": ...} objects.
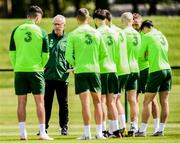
[{"x": 170, "y": 26}]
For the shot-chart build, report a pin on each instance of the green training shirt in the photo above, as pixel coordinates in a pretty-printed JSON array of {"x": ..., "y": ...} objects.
[
  {"x": 56, "y": 67},
  {"x": 143, "y": 63},
  {"x": 155, "y": 50},
  {"x": 122, "y": 58},
  {"x": 133, "y": 46},
  {"x": 28, "y": 48},
  {"x": 111, "y": 42},
  {"x": 85, "y": 49}
]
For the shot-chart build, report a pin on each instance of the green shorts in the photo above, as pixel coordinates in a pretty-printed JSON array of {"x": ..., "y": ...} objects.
[
  {"x": 87, "y": 81},
  {"x": 122, "y": 82},
  {"x": 159, "y": 81},
  {"x": 142, "y": 80},
  {"x": 27, "y": 82},
  {"x": 132, "y": 81},
  {"x": 109, "y": 83}
]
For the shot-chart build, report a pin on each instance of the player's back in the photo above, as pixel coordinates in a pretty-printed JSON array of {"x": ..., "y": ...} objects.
[
  {"x": 28, "y": 39},
  {"x": 86, "y": 42},
  {"x": 133, "y": 46},
  {"x": 157, "y": 50},
  {"x": 110, "y": 42}
]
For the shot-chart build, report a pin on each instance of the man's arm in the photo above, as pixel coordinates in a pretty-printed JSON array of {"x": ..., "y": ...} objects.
[
  {"x": 45, "y": 49},
  {"x": 12, "y": 49},
  {"x": 69, "y": 55}
]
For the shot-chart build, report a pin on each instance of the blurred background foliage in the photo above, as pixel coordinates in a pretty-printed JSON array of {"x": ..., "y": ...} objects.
[{"x": 17, "y": 8}]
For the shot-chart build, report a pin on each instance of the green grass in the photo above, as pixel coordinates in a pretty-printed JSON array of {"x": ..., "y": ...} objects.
[
  {"x": 9, "y": 125},
  {"x": 170, "y": 26}
]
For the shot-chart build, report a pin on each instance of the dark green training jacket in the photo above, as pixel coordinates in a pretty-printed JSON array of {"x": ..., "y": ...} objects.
[{"x": 57, "y": 66}]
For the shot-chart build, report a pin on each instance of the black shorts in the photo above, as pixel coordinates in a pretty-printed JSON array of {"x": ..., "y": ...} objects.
[
  {"x": 132, "y": 81},
  {"x": 27, "y": 82},
  {"x": 109, "y": 83},
  {"x": 122, "y": 82},
  {"x": 142, "y": 80},
  {"x": 87, "y": 81},
  {"x": 159, "y": 81}
]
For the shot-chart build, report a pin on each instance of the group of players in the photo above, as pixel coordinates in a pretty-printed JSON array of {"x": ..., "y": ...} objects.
[{"x": 108, "y": 60}]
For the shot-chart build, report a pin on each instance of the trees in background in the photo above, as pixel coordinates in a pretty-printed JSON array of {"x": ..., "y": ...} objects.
[{"x": 17, "y": 8}]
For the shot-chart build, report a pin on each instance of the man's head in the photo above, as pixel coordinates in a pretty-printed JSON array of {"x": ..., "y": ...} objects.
[
  {"x": 99, "y": 17},
  {"x": 127, "y": 19},
  {"x": 108, "y": 17},
  {"x": 35, "y": 13},
  {"x": 58, "y": 23},
  {"x": 137, "y": 21},
  {"x": 146, "y": 26},
  {"x": 82, "y": 15}
]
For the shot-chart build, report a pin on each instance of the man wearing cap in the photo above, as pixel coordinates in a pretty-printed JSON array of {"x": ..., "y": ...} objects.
[
  {"x": 155, "y": 50},
  {"x": 143, "y": 74}
]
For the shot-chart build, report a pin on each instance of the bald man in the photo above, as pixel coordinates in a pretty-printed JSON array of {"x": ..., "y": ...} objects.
[{"x": 56, "y": 75}]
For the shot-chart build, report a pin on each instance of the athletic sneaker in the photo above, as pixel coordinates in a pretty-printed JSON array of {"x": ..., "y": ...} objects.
[
  {"x": 124, "y": 132},
  {"x": 23, "y": 136},
  {"x": 140, "y": 134},
  {"x": 158, "y": 133},
  {"x": 105, "y": 133},
  {"x": 100, "y": 137},
  {"x": 132, "y": 131},
  {"x": 64, "y": 131},
  {"x": 45, "y": 137},
  {"x": 116, "y": 134},
  {"x": 39, "y": 133},
  {"x": 83, "y": 137}
]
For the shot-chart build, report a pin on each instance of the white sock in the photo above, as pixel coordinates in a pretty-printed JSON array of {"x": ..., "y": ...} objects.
[
  {"x": 122, "y": 120},
  {"x": 104, "y": 126},
  {"x": 161, "y": 127},
  {"x": 143, "y": 127},
  {"x": 110, "y": 127},
  {"x": 99, "y": 130},
  {"x": 42, "y": 129},
  {"x": 135, "y": 125},
  {"x": 87, "y": 130},
  {"x": 22, "y": 129},
  {"x": 156, "y": 125},
  {"x": 115, "y": 125}
]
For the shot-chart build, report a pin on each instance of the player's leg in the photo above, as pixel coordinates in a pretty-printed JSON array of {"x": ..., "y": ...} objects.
[
  {"x": 37, "y": 84},
  {"x": 155, "y": 114},
  {"x": 131, "y": 89},
  {"x": 82, "y": 89},
  {"x": 21, "y": 89},
  {"x": 104, "y": 114},
  {"x": 62, "y": 96},
  {"x": 21, "y": 112},
  {"x": 48, "y": 99}
]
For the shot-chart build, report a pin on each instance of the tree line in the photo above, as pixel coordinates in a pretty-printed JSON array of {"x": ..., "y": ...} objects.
[{"x": 17, "y": 8}]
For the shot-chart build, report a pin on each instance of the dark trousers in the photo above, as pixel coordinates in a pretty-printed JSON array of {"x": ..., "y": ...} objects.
[{"x": 61, "y": 89}]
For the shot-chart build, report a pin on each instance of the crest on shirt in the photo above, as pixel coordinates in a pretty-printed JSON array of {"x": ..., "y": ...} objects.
[{"x": 51, "y": 43}]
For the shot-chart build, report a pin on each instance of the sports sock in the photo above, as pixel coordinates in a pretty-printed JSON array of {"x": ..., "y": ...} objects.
[
  {"x": 87, "y": 130},
  {"x": 161, "y": 127},
  {"x": 99, "y": 130},
  {"x": 143, "y": 127},
  {"x": 104, "y": 126},
  {"x": 110, "y": 127},
  {"x": 115, "y": 125},
  {"x": 42, "y": 129},
  {"x": 122, "y": 121},
  {"x": 156, "y": 124},
  {"x": 22, "y": 129}
]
